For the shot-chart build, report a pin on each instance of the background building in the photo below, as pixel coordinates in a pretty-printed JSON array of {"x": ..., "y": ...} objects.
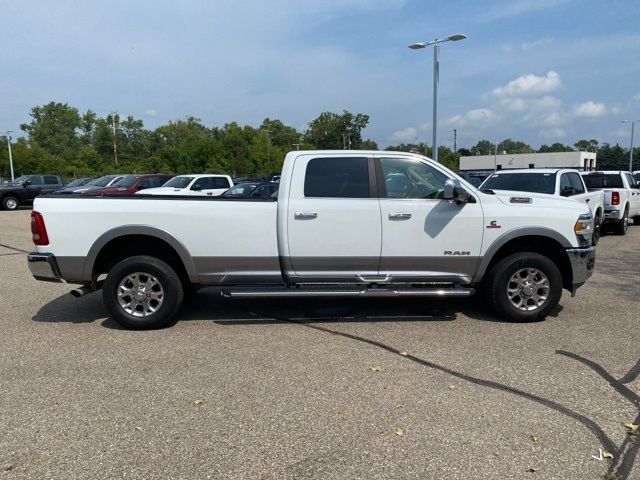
[{"x": 484, "y": 163}]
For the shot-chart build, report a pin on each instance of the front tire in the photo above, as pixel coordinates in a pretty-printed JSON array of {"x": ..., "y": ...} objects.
[
  {"x": 142, "y": 293},
  {"x": 524, "y": 287},
  {"x": 10, "y": 203}
]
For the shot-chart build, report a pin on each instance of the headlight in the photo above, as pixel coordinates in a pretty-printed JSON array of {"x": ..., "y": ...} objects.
[{"x": 584, "y": 229}]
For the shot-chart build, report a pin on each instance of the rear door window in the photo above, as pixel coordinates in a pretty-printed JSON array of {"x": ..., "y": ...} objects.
[
  {"x": 51, "y": 180},
  {"x": 338, "y": 177}
]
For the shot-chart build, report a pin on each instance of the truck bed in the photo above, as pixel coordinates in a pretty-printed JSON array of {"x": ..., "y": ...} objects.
[{"x": 218, "y": 234}]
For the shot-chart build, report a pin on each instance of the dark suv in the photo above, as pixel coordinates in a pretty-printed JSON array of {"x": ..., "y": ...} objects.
[
  {"x": 24, "y": 189},
  {"x": 130, "y": 184}
]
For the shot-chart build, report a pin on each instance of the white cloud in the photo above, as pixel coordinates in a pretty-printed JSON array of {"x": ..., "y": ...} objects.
[
  {"x": 536, "y": 43},
  {"x": 637, "y": 97},
  {"x": 409, "y": 134},
  {"x": 513, "y": 9},
  {"x": 530, "y": 84},
  {"x": 553, "y": 133},
  {"x": 151, "y": 112},
  {"x": 590, "y": 110},
  {"x": 477, "y": 117}
]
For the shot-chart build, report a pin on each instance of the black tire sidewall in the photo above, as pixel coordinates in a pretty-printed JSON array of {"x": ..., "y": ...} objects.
[
  {"x": 171, "y": 284},
  {"x": 597, "y": 231},
  {"x": 502, "y": 273},
  {"x": 6, "y": 199},
  {"x": 620, "y": 227}
]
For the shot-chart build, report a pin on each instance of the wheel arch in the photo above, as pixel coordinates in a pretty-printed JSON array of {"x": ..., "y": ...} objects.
[
  {"x": 543, "y": 241},
  {"x": 126, "y": 241}
]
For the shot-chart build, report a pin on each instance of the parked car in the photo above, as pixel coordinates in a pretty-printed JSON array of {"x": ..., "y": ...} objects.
[
  {"x": 68, "y": 188},
  {"x": 252, "y": 189},
  {"x": 102, "y": 182},
  {"x": 238, "y": 180},
  {"x": 552, "y": 181},
  {"x": 130, "y": 184},
  {"x": 621, "y": 197},
  {"x": 205, "y": 184},
  {"x": 474, "y": 179},
  {"x": 24, "y": 189},
  {"x": 636, "y": 176},
  {"x": 334, "y": 230}
]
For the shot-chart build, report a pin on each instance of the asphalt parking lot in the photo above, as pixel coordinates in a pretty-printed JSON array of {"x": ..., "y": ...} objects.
[{"x": 318, "y": 389}]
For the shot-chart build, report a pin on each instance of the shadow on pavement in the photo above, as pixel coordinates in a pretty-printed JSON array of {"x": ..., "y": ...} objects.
[{"x": 207, "y": 304}]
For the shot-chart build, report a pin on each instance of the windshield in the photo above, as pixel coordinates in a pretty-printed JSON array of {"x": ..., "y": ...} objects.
[
  {"x": 77, "y": 182},
  {"x": 242, "y": 190},
  {"x": 597, "y": 181},
  {"x": 127, "y": 181},
  {"x": 19, "y": 180},
  {"x": 179, "y": 182},
  {"x": 102, "y": 181},
  {"x": 522, "y": 182}
]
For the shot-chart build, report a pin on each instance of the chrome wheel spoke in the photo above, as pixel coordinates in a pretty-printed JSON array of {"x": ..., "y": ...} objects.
[
  {"x": 528, "y": 289},
  {"x": 140, "y": 294}
]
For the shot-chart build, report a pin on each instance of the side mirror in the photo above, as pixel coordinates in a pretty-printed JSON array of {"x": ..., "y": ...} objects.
[
  {"x": 453, "y": 190},
  {"x": 449, "y": 189},
  {"x": 26, "y": 183},
  {"x": 568, "y": 191},
  {"x": 196, "y": 188}
]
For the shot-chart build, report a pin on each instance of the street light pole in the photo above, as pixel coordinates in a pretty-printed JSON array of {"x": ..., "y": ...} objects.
[
  {"x": 6, "y": 133},
  {"x": 633, "y": 123},
  {"x": 436, "y": 78}
]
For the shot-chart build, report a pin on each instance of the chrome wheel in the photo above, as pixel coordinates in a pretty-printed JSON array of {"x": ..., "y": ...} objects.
[
  {"x": 11, "y": 203},
  {"x": 528, "y": 289},
  {"x": 140, "y": 294}
]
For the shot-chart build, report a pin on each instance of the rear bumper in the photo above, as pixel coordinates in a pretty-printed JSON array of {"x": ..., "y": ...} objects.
[
  {"x": 44, "y": 267},
  {"x": 612, "y": 215},
  {"x": 583, "y": 261}
]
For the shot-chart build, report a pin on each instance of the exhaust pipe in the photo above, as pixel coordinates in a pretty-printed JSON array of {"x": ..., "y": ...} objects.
[{"x": 82, "y": 291}]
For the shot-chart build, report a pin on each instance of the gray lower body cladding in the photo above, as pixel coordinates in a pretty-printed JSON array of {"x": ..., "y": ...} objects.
[{"x": 267, "y": 270}]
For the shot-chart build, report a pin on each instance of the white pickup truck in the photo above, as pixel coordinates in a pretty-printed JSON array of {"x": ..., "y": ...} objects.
[
  {"x": 561, "y": 182},
  {"x": 621, "y": 197},
  {"x": 204, "y": 184},
  {"x": 345, "y": 223}
]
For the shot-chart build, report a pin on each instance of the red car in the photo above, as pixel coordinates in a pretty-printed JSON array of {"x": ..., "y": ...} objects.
[{"x": 130, "y": 184}]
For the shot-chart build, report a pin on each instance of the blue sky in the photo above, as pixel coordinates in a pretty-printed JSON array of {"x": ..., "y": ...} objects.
[{"x": 540, "y": 71}]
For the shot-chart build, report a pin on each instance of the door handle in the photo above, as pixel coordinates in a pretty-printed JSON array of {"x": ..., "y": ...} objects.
[
  {"x": 399, "y": 216},
  {"x": 305, "y": 215},
  {"x": 588, "y": 200}
]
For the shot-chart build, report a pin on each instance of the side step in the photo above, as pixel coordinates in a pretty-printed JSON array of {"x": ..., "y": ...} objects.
[{"x": 367, "y": 292}]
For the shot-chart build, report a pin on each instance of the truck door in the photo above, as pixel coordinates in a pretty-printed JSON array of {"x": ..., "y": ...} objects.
[
  {"x": 424, "y": 236},
  {"x": 634, "y": 198},
  {"x": 333, "y": 218},
  {"x": 33, "y": 188}
]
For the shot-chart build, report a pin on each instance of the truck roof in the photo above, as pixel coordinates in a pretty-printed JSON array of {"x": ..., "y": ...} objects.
[{"x": 534, "y": 170}]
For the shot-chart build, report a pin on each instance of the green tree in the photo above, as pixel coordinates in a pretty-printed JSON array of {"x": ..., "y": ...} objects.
[
  {"x": 556, "y": 147},
  {"x": 587, "y": 145},
  {"x": 327, "y": 130},
  {"x": 483, "y": 147},
  {"x": 54, "y": 127},
  {"x": 514, "y": 147}
]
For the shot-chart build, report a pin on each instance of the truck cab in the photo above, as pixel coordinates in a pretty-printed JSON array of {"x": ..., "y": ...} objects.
[{"x": 24, "y": 189}]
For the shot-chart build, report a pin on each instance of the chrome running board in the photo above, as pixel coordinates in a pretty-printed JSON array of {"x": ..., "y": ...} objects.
[{"x": 367, "y": 292}]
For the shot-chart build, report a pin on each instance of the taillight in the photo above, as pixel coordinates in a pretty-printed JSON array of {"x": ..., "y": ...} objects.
[
  {"x": 38, "y": 229},
  {"x": 615, "y": 198}
]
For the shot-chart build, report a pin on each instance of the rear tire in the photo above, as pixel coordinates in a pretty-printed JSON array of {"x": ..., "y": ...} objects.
[
  {"x": 621, "y": 227},
  {"x": 142, "y": 293},
  {"x": 524, "y": 287},
  {"x": 10, "y": 203}
]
